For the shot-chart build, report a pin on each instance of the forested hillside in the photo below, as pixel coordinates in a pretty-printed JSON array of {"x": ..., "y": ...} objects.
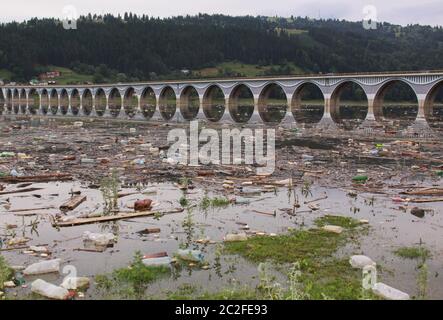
[{"x": 132, "y": 48}]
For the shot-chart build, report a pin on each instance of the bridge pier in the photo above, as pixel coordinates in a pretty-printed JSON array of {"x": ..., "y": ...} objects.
[
  {"x": 327, "y": 121},
  {"x": 421, "y": 124}
]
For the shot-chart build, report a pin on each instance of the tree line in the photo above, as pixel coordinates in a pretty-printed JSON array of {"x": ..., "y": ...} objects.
[{"x": 140, "y": 47}]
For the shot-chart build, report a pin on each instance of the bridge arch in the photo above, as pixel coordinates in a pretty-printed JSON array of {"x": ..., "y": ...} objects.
[
  {"x": 396, "y": 100},
  {"x": 75, "y": 102},
  {"x": 349, "y": 104},
  {"x": 33, "y": 101},
  {"x": 433, "y": 106},
  {"x": 100, "y": 102},
  {"x": 45, "y": 101},
  {"x": 115, "y": 102},
  {"x": 241, "y": 103},
  {"x": 214, "y": 103},
  {"x": 148, "y": 103},
  {"x": 308, "y": 103},
  {"x": 23, "y": 101},
  {"x": 16, "y": 101},
  {"x": 87, "y": 102},
  {"x": 64, "y": 102},
  {"x": 53, "y": 102},
  {"x": 9, "y": 100},
  {"x": 272, "y": 103},
  {"x": 167, "y": 103},
  {"x": 189, "y": 103},
  {"x": 130, "y": 102}
]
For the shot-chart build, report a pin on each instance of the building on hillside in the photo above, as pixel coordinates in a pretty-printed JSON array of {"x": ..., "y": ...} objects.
[{"x": 50, "y": 75}]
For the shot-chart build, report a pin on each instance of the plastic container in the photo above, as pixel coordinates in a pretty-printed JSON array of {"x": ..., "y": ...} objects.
[
  {"x": 99, "y": 239},
  {"x": 74, "y": 283},
  {"x": 48, "y": 266},
  {"x": 232, "y": 237},
  {"x": 155, "y": 262},
  {"x": 360, "y": 261},
  {"x": 49, "y": 290},
  {"x": 190, "y": 255},
  {"x": 386, "y": 292}
]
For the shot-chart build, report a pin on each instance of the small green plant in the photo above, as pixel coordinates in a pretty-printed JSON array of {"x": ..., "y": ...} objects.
[
  {"x": 188, "y": 225},
  {"x": 132, "y": 281},
  {"x": 413, "y": 253},
  {"x": 109, "y": 187},
  {"x": 271, "y": 289},
  {"x": 185, "y": 182},
  {"x": 422, "y": 281},
  {"x": 296, "y": 291},
  {"x": 216, "y": 202},
  {"x": 421, "y": 254},
  {"x": 184, "y": 201},
  {"x": 306, "y": 189},
  {"x": 6, "y": 273},
  {"x": 345, "y": 222}
]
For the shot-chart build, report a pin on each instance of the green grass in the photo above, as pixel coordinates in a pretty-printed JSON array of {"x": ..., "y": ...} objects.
[
  {"x": 344, "y": 222},
  {"x": 5, "y": 75},
  {"x": 6, "y": 273},
  {"x": 70, "y": 77},
  {"x": 323, "y": 275},
  {"x": 216, "y": 202},
  {"x": 131, "y": 282},
  {"x": 413, "y": 253}
]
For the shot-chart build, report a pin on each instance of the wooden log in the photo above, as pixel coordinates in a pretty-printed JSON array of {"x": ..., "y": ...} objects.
[
  {"x": 20, "y": 191},
  {"x": 425, "y": 192},
  {"x": 38, "y": 178},
  {"x": 119, "y": 216},
  {"x": 31, "y": 209},
  {"x": 73, "y": 203},
  {"x": 423, "y": 200},
  {"x": 149, "y": 230}
]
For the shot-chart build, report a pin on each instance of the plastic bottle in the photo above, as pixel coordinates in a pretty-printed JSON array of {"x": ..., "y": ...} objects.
[
  {"x": 100, "y": 239},
  {"x": 49, "y": 290},
  {"x": 161, "y": 261},
  {"x": 236, "y": 237},
  {"x": 43, "y": 267},
  {"x": 190, "y": 255}
]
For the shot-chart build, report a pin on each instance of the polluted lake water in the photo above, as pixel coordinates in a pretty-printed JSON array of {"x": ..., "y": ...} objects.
[{"x": 96, "y": 212}]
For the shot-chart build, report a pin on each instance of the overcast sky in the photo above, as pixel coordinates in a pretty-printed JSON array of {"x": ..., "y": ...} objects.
[{"x": 403, "y": 12}]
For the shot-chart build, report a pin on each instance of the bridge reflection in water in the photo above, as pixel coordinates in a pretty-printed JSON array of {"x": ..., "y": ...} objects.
[{"x": 345, "y": 100}]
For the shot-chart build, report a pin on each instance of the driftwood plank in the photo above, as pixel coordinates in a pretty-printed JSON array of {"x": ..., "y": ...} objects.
[
  {"x": 72, "y": 203},
  {"x": 119, "y": 216},
  {"x": 38, "y": 178},
  {"x": 20, "y": 191}
]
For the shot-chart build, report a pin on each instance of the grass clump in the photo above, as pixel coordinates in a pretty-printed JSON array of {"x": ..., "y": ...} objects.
[
  {"x": 413, "y": 253},
  {"x": 322, "y": 275},
  {"x": 131, "y": 282},
  {"x": 421, "y": 254},
  {"x": 109, "y": 187},
  {"x": 344, "y": 222},
  {"x": 6, "y": 273},
  {"x": 216, "y": 202}
]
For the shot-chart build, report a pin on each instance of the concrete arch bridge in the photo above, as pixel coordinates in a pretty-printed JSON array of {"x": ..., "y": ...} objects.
[{"x": 347, "y": 100}]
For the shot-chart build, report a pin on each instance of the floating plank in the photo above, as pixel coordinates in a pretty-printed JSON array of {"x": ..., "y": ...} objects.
[
  {"x": 31, "y": 209},
  {"x": 20, "y": 191},
  {"x": 425, "y": 192},
  {"x": 423, "y": 200},
  {"x": 73, "y": 203},
  {"x": 38, "y": 178},
  {"x": 119, "y": 216},
  {"x": 149, "y": 231}
]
